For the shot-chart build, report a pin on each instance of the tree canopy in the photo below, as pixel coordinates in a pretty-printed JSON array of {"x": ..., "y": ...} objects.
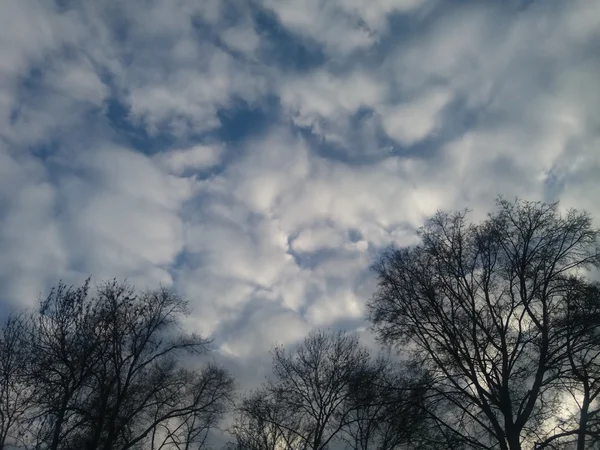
[
  {"x": 104, "y": 371},
  {"x": 493, "y": 312}
]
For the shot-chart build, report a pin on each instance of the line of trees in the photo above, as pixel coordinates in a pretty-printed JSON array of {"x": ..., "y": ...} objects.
[{"x": 496, "y": 326}]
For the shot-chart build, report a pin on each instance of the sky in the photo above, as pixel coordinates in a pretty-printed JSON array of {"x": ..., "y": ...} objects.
[{"x": 257, "y": 155}]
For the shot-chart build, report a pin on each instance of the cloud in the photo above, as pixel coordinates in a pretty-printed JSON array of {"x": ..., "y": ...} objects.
[
  {"x": 104, "y": 211},
  {"x": 310, "y": 240},
  {"x": 32, "y": 246},
  {"x": 262, "y": 324},
  {"x": 243, "y": 39},
  {"x": 196, "y": 158},
  {"x": 340, "y": 26},
  {"x": 130, "y": 207},
  {"x": 257, "y": 156},
  {"x": 326, "y": 104},
  {"x": 411, "y": 123}
]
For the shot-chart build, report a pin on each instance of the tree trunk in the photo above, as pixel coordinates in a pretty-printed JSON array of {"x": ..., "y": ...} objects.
[
  {"x": 60, "y": 417},
  {"x": 514, "y": 440},
  {"x": 583, "y": 419}
]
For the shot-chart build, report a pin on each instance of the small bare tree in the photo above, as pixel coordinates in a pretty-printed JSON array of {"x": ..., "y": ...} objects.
[
  {"x": 309, "y": 395},
  {"x": 263, "y": 424},
  {"x": 389, "y": 412},
  {"x": 208, "y": 394}
]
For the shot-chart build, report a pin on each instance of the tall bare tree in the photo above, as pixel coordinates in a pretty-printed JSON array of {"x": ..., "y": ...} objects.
[{"x": 478, "y": 304}]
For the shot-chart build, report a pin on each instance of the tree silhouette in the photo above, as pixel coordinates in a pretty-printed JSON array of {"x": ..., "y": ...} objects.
[
  {"x": 310, "y": 392},
  {"x": 480, "y": 305},
  {"x": 582, "y": 369},
  {"x": 498, "y": 323},
  {"x": 264, "y": 424},
  {"x": 331, "y": 390},
  {"x": 16, "y": 388},
  {"x": 389, "y": 411},
  {"x": 107, "y": 372}
]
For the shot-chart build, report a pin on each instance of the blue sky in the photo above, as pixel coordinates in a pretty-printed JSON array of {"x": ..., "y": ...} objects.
[{"x": 257, "y": 155}]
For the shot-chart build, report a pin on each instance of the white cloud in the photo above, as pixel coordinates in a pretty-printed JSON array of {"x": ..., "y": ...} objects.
[
  {"x": 32, "y": 246},
  {"x": 261, "y": 326},
  {"x": 79, "y": 81},
  {"x": 342, "y": 26},
  {"x": 31, "y": 34},
  {"x": 46, "y": 31},
  {"x": 312, "y": 239},
  {"x": 278, "y": 198},
  {"x": 124, "y": 214},
  {"x": 198, "y": 157},
  {"x": 187, "y": 100},
  {"x": 276, "y": 236},
  {"x": 243, "y": 39},
  {"x": 104, "y": 211},
  {"x": 326, "y": 103},
  {"x": 416, "y": 120},
  {"x": 343, "y": 304}
]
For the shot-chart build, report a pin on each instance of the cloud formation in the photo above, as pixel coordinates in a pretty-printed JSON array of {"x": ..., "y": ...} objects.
[{"x": 258, "y": 155}]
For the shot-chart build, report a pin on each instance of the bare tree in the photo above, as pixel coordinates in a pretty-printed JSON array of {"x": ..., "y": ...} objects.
[
  {"x": 63, "y": 354},
  {"x": 263, "y": 424},
  {"x": 209, "y": 393},
  {"x": 309, "y": 395},
  {"x": 389, "y": 412},
  {"x": 109, "y": 371},
  {"x": 582, "y": 367},
  {"x": 478, "y": 305},
  {"x": 139, "y": 384},
  {"x": 16, "y": 392}
]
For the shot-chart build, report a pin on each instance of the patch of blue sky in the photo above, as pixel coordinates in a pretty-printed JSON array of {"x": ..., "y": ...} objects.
[
  {"x": 135, "y": 134},
  {"x": 285, "y": 50}
]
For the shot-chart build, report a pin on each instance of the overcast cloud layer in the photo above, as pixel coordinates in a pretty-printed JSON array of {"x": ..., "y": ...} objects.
[{"x": 257, "y": 155}]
